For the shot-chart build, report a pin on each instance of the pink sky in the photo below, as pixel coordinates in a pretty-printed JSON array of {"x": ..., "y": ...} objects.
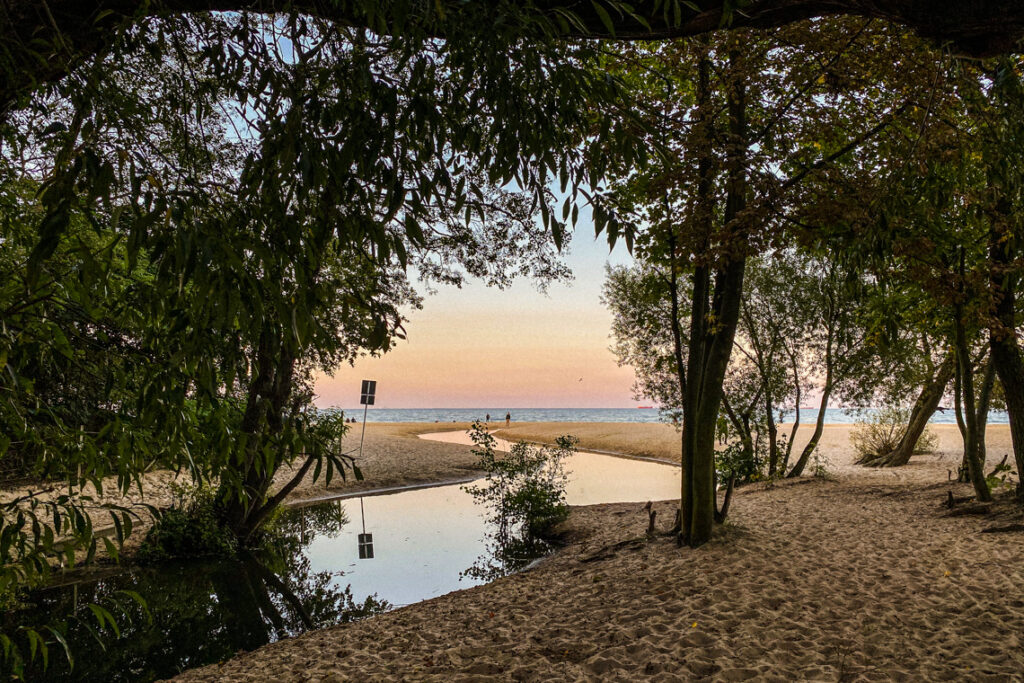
[{"x": 488, "y": 348}]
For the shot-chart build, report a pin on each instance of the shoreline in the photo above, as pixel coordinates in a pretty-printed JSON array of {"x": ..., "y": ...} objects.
[
  {"x": 395, "y": 456},
  {"x": 861, "y": 576}
]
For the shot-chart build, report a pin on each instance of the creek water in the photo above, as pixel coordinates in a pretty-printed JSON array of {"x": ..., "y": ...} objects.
[{"x": 337, "y": 561}]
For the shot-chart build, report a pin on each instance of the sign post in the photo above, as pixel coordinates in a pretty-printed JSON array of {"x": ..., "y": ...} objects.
[
  {"x": 366, "y": 396},
  {"x": 365, "y": 540}
]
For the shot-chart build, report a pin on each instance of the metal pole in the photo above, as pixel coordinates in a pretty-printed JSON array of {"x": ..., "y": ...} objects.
[
  {"x": 361, "y": 436},
  {"x": 362, "y": 515}
]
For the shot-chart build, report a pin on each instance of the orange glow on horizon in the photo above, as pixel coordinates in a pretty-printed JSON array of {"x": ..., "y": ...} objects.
[{"x": 486, "y": 348}]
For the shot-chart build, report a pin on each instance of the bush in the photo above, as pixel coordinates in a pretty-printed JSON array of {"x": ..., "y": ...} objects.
[
  {"x": 191, "y": 528},
  {"x": 882, "y": 434},
  {"x": 736, "y": 460},
  {"x": 527, "y": 486}
]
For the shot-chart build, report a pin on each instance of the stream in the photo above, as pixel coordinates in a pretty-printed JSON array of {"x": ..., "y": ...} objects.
[{"x": 339, "y": 560}]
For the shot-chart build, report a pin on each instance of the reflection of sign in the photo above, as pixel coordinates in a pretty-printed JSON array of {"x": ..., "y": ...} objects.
[
  {"x": 367, "y": 392},
  {"x": 365, "y": 546}
]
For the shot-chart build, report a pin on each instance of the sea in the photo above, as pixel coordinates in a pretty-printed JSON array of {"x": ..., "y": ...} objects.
[{"x": 807, "y": 415}]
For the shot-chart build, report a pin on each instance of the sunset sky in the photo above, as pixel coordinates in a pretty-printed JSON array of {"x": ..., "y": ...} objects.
[{"x": 481, "y": 347}]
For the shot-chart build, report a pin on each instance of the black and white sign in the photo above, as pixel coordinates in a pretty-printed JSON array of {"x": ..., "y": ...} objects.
[{"x": 367, "y": 393}]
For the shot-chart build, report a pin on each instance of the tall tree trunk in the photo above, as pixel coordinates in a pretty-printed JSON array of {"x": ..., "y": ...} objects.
[
  {"x": 711, "y": 345},
  {"x": 975, "y": 467},
  {"x": 242, "y": 498},
  {"x": 704, "y": 399},
  {"x": 796, "y": 417},
  {"x": 984, "y": 401},
  {"x": 924, "y": 407},
  {"x": 773, "y": 435},
  {"x": 963, "y": 474},
  {"x": 1006, "y": 352},
  {"x": 690, "y": 375}
]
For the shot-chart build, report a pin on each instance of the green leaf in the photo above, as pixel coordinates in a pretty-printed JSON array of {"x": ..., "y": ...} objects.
[{"x": 603, "y": 15}]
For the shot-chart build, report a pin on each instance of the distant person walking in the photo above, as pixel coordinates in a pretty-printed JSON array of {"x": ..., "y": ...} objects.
[
  {"x": 508, "y": 419},
  {"x": 487, "y": 417}
]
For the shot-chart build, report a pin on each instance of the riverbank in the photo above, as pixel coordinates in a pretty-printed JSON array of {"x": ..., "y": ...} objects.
[
  {"x": 861, "y": 576},
  {"x": 835, "y": 451},
  {"x": 392, "y": 456}
]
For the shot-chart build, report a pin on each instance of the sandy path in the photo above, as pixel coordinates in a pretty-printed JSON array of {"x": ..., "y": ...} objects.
[{"x": 862, "y": 577}]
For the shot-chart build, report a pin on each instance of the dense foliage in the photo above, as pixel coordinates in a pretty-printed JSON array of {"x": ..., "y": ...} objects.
[{"x": 204, "y": 210}]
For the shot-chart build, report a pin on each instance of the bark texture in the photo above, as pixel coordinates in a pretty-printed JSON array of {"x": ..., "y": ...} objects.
[{"x": 1007, "y": 357}]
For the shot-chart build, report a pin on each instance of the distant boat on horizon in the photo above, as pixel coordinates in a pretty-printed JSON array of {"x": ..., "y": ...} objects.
[{"x": 645, "y": 407}]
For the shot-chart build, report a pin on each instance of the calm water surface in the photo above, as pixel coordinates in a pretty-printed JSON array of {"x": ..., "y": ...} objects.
[
  {"x": 441, "y": 415},
  {"x": 423, "y": 543}
]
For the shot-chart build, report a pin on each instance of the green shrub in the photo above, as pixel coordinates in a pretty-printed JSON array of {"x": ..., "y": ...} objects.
[
  {"x": 736, "y": 460},
  {"x": 190, "y": 528},
  {"x": 882, "y": 434},
  {"x": 526, "y": 488}
]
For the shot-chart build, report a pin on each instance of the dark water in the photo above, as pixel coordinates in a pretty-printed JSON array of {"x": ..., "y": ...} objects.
[
  {"x": 425, "y": 543},
  {"x": 442, "y": 415}
]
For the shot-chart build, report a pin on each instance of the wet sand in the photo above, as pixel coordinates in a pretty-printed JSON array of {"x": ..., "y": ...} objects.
[{"x": 860, "y": 576}]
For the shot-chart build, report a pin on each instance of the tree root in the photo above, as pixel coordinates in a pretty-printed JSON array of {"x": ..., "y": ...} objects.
[
  {"x": 1003, "y": 529},
  {"x": 890, "y": 459},
  {"x": 609, "y": 551}
]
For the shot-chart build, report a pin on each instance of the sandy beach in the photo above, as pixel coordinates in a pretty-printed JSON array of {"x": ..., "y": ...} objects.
[
  {"x": 863, "y": 575},
  {"x": 392, "y": 456}
]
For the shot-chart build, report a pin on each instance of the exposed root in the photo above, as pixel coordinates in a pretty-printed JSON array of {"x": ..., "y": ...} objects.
[{"x": 1009, "y": 528}]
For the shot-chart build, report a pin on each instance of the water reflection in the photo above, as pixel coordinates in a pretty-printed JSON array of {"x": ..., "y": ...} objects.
[
  {"x": 199, "y": 612},
  {"x": 425, "y": 543}
]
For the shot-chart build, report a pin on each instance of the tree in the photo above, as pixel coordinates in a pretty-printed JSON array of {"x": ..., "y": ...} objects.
[
  {"x": 45, "y": 42},
  {"x": 837, "y": 344},
  {"x": 734, "y": 152}
]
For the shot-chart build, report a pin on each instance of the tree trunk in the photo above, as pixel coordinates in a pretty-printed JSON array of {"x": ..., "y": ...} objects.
[
  {"x": 984, "y": 402},
  {"x": 242, "y": 497},
  {"x": 704, "y": 399},
  {"x": 962, "y": 474},
  {"x": 826, "y": 392},
  {"x": 773, "y": 435},
  {"x": 819, "y": 428},
  {"x": 796, "y": 417},
  {"x": 924, "y": 407},
  {"x": 1006, "y": 352},
  {"x": 975, "y": 467},
  {"x": 711, "y": 345}
]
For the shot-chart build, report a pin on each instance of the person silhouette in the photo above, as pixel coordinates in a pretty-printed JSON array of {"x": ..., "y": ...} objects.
[
  {"x": 508, "y": 419},
  {"x": 487, "y": 417}
]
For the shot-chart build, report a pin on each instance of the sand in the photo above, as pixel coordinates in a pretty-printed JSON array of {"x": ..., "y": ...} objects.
[
  {"x": 861, "y": 576},
  {"x": 392, "y": 456},
  {"x": 835, "y": 452}
]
